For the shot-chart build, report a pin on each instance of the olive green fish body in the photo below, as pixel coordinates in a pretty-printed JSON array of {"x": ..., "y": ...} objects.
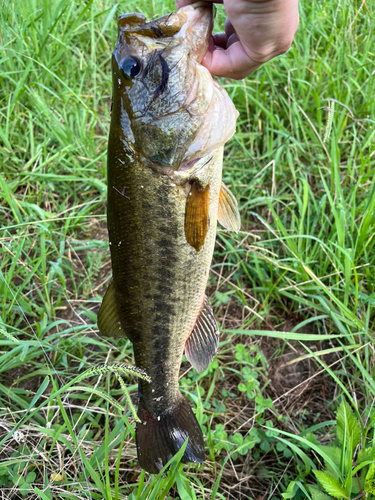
[
  {"x": 164, "y": 198},
  {"x": 159, "y": 279}
]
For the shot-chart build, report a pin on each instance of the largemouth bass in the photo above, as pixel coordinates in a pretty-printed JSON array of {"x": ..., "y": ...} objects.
[{"x": 169, "y": 123}]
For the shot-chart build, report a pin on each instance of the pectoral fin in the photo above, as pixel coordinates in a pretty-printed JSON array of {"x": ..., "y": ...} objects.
[
  {"x": 201, "y": 346},
  {"x": 109, "y": 323},
  {"x": 196, "y": 216},
  {"x": 228, "y": 214}
]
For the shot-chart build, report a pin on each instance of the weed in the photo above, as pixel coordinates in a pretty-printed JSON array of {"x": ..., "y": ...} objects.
[{"x": 349, "y": 461}]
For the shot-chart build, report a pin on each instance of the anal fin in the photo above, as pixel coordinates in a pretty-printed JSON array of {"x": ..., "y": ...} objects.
[
  {"x": 228, "y": 214},
  {"x": 197, "y": 216},
  {"x": 109, "y": 323},
  {"x": 201, "y": 346}
]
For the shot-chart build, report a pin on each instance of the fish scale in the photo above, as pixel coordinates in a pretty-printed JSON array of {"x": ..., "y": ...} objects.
[{"x": 165, "y": 196}]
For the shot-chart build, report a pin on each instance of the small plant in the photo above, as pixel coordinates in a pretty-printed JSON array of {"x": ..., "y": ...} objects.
[
  {"x": 349, "y": 463},
  {"x": 351, "y": 471},
  {"x": 19, "y": 473},
  {"x": 5, "y": 477},
  {"x": 235, "y": 441},
  {"x": 24, "y": 484},
  {"x": 222, "y": 298},
  {"x": 251, "y": 360}
]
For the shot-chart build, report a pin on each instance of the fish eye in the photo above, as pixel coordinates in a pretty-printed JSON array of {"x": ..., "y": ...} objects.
[{"x": 130, "y": 67}]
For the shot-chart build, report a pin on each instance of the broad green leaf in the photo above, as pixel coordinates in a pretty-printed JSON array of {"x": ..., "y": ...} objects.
[
  {"x": 317, "y": 494},
  {"x": 30, "y": 477},
  {"x": 369, "y": 481},
  {"x": 237, "y": 438},
  {"x": 371, "y": 472},
  {"x": 18, "y": 480},
  {"x": 349, "y": 478},
  {"x": 24, "y": 489},
  {"x": 331, "y": 485},
  {"x": 334, "y": 454},
  {"x": 364, "y": 455},
  {"x": 347, "y": 425}
]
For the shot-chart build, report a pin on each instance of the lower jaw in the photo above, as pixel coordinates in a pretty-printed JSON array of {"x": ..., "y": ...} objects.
[{"x": 188, "y": 165}]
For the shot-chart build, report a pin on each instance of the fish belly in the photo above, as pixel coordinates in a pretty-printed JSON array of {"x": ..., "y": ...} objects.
[{"x": 159, "y": 278}]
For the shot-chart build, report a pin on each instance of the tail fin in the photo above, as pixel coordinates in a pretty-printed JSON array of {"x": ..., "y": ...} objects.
[{"x": 159, "y": 438}]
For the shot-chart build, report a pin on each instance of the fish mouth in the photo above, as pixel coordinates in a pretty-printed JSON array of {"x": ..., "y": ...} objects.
[
  {"x": 189, "y": 165},
  {"x": 193, "y": 23},
  {"x": 195, "y": 165},
  {"x": 199, "y": 27}
]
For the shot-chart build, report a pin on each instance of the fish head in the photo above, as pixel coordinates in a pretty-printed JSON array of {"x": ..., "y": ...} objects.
[{"x": 169, "y": 108}]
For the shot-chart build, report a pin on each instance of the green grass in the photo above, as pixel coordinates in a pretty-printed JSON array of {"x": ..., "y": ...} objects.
[{"x": 294, "y": 292}]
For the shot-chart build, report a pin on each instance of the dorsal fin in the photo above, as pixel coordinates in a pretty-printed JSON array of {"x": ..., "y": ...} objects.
[
  {"x": 228, "y": 214},
  {"x": 201, "y": 346},
  {"x": 109, "y": 323},
  {"x": 196, "y": 216}
]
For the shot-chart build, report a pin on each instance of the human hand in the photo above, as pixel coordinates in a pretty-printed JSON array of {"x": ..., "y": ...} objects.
[{"x": 255, "y": 32}]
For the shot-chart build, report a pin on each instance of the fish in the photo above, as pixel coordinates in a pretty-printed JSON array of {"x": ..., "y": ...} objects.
[{"x": 169, "y": 123}]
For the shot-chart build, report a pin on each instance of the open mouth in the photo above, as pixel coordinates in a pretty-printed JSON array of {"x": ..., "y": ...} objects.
[
  {"x": 189, "y": 165},
  {"x": 196, "y": 164}
]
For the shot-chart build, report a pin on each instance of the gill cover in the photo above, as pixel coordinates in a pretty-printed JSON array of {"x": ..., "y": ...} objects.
[{"x": 162, "y": 92}]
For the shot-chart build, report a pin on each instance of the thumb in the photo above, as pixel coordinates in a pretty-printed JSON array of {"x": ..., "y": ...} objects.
[{"x": 232, "y": 62}]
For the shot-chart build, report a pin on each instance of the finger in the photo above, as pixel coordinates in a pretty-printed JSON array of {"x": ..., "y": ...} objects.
[
  {"x": 232, "y": 62},
  {"x": 228, "y": 28},
  {"x": 220, "y": 40},
  {"x": 232, "y": 39},
  {"x": 183, "y": 3}
]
